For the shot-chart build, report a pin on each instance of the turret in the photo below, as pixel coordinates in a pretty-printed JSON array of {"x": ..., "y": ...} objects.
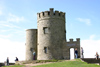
[{"x": 31, "y": 43}]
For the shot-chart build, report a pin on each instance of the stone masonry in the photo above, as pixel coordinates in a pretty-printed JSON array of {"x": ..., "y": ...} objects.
[{"x": 49, "y": 40}]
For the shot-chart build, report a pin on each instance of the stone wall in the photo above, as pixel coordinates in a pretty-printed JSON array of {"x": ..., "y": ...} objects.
[
  {"x": 2, "y": 64},
  {"x": 91, "y": 60}
]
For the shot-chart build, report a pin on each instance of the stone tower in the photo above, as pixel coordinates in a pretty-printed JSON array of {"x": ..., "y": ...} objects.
[
  {"x": 31, "y": 43},
  {"x": 49, "y": 39},
  {"x": 51, "y": 34}
]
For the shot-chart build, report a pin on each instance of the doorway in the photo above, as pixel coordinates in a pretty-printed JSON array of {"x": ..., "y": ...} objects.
[{"x": 71, "y": 53}]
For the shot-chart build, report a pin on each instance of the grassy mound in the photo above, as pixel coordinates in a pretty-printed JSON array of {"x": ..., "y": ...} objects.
[{"x": 76, "y": 63}]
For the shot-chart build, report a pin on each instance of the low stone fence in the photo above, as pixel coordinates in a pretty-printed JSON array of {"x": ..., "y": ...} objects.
[
  {"x": 2, "y": 64},
  {"x": 91, "y": 60}
]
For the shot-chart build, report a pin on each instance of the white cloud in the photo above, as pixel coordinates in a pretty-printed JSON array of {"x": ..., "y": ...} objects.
[
  {"x": 14, "y": 18},
  {"x": 20, "y": 32},
  {"x": 4, "y": 30},
  {"x": 92, "y": 37},
  {"x": 11, "y": 18},
  {"x": 5, "y": 36},
  {"x": 2, "y": 9},
  {"x": 90, "y": 47},
  {"x": 0, "y": 12},
  {"x": 86, "y": 21},
  {"x": 11, "y": 49},
  {"x": 4, "y": 24},
  {"x": 10, "y": 25}
]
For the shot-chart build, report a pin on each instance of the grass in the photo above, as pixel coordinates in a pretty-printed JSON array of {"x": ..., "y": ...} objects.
[
  {"x": 44, "y": 61},
  {"x": 77, "y": 63}
]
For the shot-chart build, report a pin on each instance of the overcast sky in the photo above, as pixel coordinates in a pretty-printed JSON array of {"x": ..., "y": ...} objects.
[{"x": 82, "y": 21}]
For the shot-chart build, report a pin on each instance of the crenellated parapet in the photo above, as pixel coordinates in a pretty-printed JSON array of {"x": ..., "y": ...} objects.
[
  {"x": 71, "y": 42},
  {"x": 50, "y": 14},
  {"x": 77, "y": 40}
]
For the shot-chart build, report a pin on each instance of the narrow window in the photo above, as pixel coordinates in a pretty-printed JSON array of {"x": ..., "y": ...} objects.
[
  {"x": 48, "y": 13},
  {"x": 46, "y": 30},
  {"x": 45, "y": 49},
  {"x": 59, "y": 14},
  {"x": 65, "y": 31},
  {"x": 43, "y": 13},
  {"x": 39, "y": 14},
  {"x": 31, "y": 49},
  {"x": 54, "y": 13}
]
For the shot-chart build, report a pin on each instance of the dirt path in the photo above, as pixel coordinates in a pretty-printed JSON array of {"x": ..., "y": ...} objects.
[{"x": 29, "y": 65}]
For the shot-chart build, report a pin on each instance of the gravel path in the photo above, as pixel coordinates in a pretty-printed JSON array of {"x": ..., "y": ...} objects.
[{"x": 29, "y": 65}]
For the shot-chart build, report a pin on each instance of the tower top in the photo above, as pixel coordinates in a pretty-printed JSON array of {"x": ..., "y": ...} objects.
[{"x": 51, "y": 14}]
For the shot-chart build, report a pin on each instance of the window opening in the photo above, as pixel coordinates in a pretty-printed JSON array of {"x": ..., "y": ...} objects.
[
  {"x": 48, "y": 13},
  {"x": 31, "y": 49},
  {"x": 43, "y": 13},
  {"x": 46, "y": 30},
  {"x": 45, "y": 49},
  {"x": 59, "y": 14}
]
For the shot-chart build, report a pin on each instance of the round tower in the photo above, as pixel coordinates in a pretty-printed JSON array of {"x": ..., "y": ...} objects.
[
  {"x": 31, "y": 43},
  {"x": 51, "y": 34}
]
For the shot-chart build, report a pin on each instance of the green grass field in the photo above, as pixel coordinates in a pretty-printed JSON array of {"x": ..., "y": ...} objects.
[{"x": 77, "y": 63}]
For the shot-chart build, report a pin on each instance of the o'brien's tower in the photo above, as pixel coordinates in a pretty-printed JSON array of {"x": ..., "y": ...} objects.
[
  {"x": 51, "y": 34},
  {"x": 49, "y": 39}
]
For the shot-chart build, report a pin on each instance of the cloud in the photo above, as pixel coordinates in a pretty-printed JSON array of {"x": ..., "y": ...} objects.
[
  {"x": 92, "y": 37},
  {"x": 0, "y": 12},
  {"x": 11, "y": 49},
  {"x": 9, "y": 25},
  {"x": 2, "y": 8},
  {"x": 9, "y": 19},
  {"x": 5, "y": 36},
  {"x": 90, "y": 47},
  {"x": 86, "y": 21},
  {"x": 4, "y": 30},
  {"x": 14, "y": 18},
  {"x": 6, "y": 26}
]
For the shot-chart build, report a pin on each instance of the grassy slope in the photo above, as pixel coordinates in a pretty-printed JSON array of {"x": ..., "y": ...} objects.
[{"x": 77, "y": 63}]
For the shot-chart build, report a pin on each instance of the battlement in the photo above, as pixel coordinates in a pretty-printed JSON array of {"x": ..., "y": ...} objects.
[
  {"x": 51, "y": 13},
  {"x": 77, "y": 40}
]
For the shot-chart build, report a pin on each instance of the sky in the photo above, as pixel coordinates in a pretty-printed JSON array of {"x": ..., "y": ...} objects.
[{"x": 82, "y": 21}]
